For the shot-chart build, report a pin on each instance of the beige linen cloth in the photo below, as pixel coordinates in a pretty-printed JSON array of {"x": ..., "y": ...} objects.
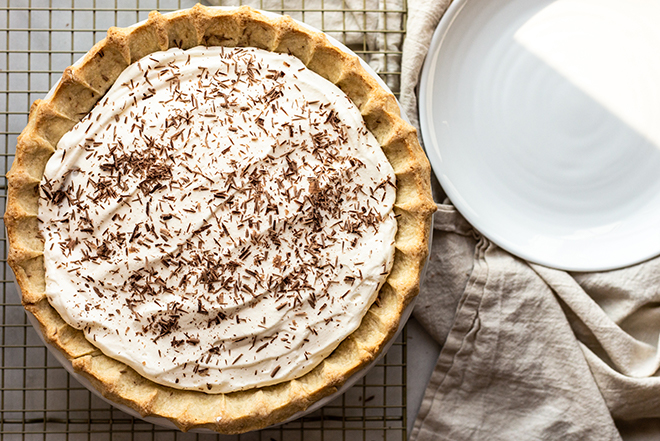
[{"x": 529, "y": 352}]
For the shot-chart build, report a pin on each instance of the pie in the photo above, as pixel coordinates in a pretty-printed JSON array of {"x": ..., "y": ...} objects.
[{"x": 206, "y": 229}]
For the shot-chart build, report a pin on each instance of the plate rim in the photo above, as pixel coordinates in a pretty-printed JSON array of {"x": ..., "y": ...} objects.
[{"x": 425, "y": 121}]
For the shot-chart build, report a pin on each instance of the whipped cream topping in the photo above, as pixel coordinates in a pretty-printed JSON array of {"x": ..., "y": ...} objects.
[{"x": 221, "y": 220}]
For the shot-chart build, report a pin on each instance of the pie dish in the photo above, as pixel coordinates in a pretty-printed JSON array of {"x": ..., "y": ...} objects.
[{"x": 85, "y": 84}]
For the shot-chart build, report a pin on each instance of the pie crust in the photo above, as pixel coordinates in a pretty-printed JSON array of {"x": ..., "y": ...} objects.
[{"x": 85, "y": 83}]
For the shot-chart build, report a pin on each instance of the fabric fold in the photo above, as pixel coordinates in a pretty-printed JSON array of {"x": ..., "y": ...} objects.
[
  {"x": 510, "y": 365},
  {"x": 625, "y": 354},
  {"x": 423, "y": 18}
]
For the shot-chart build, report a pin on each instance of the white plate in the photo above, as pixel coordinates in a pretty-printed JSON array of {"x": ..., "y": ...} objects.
[{"x": 542, "y": 122}]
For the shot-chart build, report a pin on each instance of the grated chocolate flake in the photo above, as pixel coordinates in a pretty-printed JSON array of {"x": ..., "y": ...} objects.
[{"x": 225, "y": 213}]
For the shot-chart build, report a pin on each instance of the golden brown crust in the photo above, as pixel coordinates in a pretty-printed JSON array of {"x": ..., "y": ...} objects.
[{"x": 84, "y": 84}]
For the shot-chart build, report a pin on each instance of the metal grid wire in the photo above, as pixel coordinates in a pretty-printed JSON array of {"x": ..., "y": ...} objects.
[{"x": 38, "y": 398}]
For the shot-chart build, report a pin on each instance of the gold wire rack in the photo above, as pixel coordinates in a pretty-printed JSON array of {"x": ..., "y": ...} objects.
[{"x": 38, "y": 398}]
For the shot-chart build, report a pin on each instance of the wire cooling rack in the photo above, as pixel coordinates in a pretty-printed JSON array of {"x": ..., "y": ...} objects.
[{"x": 38, "y": 399}]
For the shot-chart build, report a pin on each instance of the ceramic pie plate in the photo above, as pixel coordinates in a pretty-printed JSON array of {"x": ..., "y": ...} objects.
[
  {"x": 167, "y": 423},
  {"x": 164, "y": 422},
  {"x": 540, "y": 119}
]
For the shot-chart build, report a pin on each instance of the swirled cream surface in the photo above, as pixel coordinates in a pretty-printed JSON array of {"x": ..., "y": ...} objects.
[{"x": 221, "y": 220}]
